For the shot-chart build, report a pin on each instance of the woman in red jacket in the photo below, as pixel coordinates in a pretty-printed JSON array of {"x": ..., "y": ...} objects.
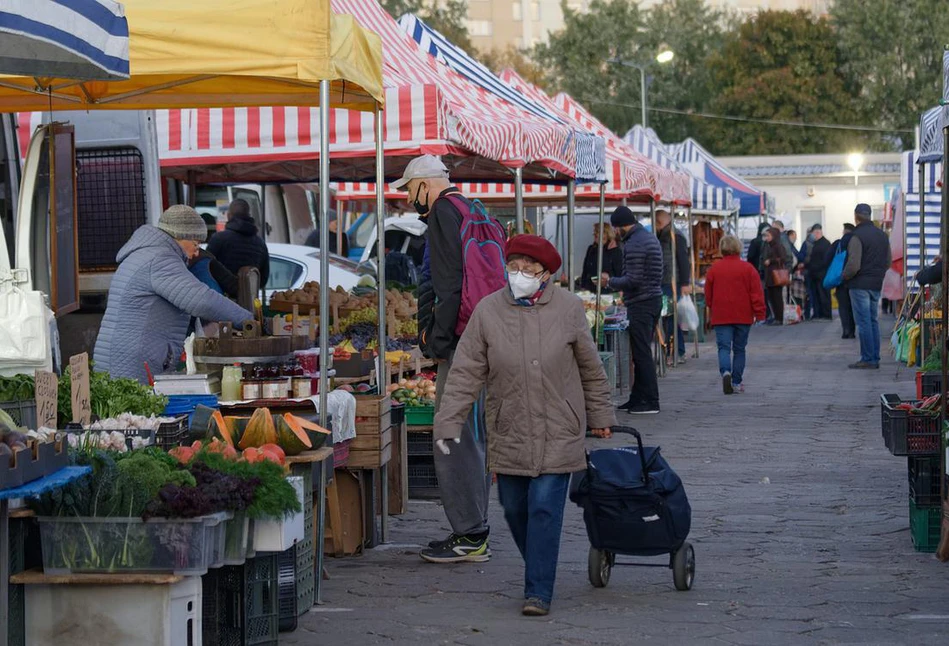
[{"x": 733, "y": 293}]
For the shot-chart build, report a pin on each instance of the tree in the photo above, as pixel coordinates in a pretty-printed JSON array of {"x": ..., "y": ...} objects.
[
  {"x": 446, "y": 17},
  {"x": 498, "y": 60},
  {"x": 894, "y": 47},
  {"x": 576, "y": 57},
  {"x": 781, "y": 66}
]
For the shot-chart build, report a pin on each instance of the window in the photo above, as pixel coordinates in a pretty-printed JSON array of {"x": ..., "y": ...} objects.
[
  {"x": 535, "y": 11},
  {"x": 518, "y": 10},
  {"x": 284, "y": 273},
  {"x": 480, "y": 28}
]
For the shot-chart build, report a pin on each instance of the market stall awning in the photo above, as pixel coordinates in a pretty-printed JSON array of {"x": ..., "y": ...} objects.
[
  {"x": 706, "y": 198},
  {"x": 78, "y": 39},
  {"x": 429, "y": 109},
  {"x": 703, "y": 165},
  {"x": 590, "y": 148},
  {"x": 204, "y": 53}
]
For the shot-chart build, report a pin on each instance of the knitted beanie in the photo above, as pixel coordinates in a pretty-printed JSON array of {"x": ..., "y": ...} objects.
[{"x": 182, "y": 222}]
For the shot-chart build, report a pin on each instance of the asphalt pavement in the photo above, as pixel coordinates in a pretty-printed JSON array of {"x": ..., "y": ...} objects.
[{"x": 800, "y": 526}]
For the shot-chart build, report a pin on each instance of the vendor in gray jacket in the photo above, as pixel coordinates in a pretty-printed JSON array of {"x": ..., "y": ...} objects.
[{"x": 153, "y": 297}]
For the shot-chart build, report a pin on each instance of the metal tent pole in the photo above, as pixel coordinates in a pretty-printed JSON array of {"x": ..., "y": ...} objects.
[
  {"x": 324, "y": 247},
  {"x": 693, "y": 261},
  {"x": 383, "y": 373},
  {"x": 922, "y": 258},
  {"x": 599, "y": 268},
  {"x": 944, "y": 252},
  {"x": 675, "y": 292},
  {"x": 519, "y": 199},
  {"x": 571, "y": 217},
  {"x": 661, "y": 359}
]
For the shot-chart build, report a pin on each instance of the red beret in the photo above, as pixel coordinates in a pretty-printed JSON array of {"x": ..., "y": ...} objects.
[{"x": 537, "y": 248}]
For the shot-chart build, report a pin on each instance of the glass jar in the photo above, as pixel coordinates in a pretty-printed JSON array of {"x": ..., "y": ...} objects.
[
  {"x": 231, "y": 383},
  {"x": 250, "y": 389},
  {"x": 273, "y": 388},
  {"x": 302, "y": 387}
]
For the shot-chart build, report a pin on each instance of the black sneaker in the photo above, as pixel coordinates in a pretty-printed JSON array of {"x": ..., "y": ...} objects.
[
  {"x": 727, "y": 387},
  {"x": 459, "y": 549},
  {"x": 441, "y": 543},
  {"x": 863, "y": 365},
  {"x": 643, "y": 409},
  {"x": 535, "y": 607}
]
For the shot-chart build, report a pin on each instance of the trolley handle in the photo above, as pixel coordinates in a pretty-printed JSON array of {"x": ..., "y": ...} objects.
[{"x": 629, "y": 430}]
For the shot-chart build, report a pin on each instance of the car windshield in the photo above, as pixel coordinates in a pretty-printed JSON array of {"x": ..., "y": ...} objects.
[{"x": 343, "y": 263}]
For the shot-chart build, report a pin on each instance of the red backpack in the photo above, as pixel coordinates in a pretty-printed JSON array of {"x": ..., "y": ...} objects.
[{"x": 483, "y": 244}]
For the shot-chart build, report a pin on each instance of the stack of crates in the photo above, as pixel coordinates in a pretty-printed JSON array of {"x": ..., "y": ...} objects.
[
  {"x": 239, "y": 603},
  {"x": 296, "y": 600},
  {"x": 925, "y": 501}
]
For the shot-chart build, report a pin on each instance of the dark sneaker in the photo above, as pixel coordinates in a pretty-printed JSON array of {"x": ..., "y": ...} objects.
[
  {"x": 459, "y": 549},
  {"x": 535, "y": 607},
  {"x": 444, "y": 541},
  {"x": 643, "y": 409},
  {"x": 863, "y": 365},
  {"x": 629, "y": 404},
  {"x": 727, "y": 383}
]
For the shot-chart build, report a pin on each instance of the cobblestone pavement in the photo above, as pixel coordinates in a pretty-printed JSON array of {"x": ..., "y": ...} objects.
[{"x": 800, "y": 525}]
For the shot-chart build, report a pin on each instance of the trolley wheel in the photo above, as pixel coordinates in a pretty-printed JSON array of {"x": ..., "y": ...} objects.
[
  {"x": 683, "y": 567},
  {"x": 599, "y": 566}
]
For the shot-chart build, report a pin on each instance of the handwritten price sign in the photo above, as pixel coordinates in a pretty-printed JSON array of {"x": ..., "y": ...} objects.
[
  {"x": 79, "y": 371},
  {"x": 46, "y": 399}
]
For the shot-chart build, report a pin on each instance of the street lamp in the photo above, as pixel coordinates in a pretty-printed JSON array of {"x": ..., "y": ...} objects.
[
  {"x": 664, "y": 56},
  {"x": 855, "y": 161}
]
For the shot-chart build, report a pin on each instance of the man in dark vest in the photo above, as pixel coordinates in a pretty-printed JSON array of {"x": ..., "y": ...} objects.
[{"x": 868, "y": 258}]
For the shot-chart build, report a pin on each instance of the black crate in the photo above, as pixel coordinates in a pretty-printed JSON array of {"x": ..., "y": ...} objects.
[
  {"x": 287, "y": 595},
  {"x": 925, "y": 481},
  {"x": 908, "y": 433},
  {"x": 172, "y": 434},
  {"x": 397, "y": 414},
  {"x": 419, "y": 443},
  {"x": 423, "y": 483},
  {"x": 930, "y": 383},
  {"x": 23, "y": 412},
  {"x": 239, "y": 603}
]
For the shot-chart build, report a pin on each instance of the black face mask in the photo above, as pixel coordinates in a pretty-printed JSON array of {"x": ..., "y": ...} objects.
[{"x": 421, "y": 209}]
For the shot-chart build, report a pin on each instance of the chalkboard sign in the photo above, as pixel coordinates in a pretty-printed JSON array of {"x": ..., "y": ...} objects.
[{"x": 64, "y": 242}]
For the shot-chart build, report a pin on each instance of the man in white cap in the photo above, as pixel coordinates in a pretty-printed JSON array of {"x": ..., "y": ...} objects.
[{"x": 463, "y": 481}]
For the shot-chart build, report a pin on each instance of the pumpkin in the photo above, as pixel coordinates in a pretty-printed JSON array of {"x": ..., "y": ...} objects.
[
  {"x": 260, "y": 430},
  {"x": 292, "y": 433}
]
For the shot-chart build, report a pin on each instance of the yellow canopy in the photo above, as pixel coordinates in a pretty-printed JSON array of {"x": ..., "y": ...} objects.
[{"x": 220, "y": 53}]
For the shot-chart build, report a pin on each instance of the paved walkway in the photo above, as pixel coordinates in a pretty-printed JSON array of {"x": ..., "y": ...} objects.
[{"x": 799, "y": 523}]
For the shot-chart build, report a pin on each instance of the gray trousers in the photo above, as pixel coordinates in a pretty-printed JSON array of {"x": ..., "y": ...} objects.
[{"x": 463, "y": 479}]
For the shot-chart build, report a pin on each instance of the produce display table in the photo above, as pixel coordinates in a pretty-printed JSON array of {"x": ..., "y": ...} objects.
[
  {"x": 321, "y": 461},
  {"x": 424, "y": 364},
  {"x": 30, "y": 490}
]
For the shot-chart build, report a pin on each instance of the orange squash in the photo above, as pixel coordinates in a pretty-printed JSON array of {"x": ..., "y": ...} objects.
[
  {"x": 260, "y": 430},
  {"x": 292, "y": 435},
  {"x": 275, "y": 452},
  {"x": 184, "y": 454}
]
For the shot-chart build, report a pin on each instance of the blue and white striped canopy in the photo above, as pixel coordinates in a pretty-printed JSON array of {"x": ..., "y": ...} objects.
[
  {"x": 590, "y": 149},
  {"x": 76, "y": 39},
  {"x": 706, "y": 198},
  {"x": 703, "y": 165}
]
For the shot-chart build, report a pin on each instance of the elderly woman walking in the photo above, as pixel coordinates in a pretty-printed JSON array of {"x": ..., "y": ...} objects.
[
  {"x": 776, "y": 265},
  {"x": 733, "y": 293},
  {"x": 530, "y": 346}
]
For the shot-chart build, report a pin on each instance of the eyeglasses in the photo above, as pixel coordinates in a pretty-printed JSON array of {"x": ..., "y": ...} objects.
[{"x": 514, "y": 268}]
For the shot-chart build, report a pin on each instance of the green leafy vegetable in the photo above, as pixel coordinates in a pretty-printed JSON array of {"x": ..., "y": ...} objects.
[{"x": 274, "y": 496}]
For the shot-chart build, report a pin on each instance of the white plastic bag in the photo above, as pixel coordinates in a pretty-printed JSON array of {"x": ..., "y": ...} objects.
[
  {"x": 688, "y": 315},
  {"x": 792, "y": 314},
  {"x": 25, "y": 343}
]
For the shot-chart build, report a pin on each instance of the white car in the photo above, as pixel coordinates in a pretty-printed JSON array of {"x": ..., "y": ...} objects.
[{"x": 293, "y": 265}]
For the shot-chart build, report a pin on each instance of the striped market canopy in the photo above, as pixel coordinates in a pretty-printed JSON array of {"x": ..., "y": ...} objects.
[
  {"x": 589, "y": 147},
  {"x": 703, "y": 165},
  {"x": 76, "y": 39}
]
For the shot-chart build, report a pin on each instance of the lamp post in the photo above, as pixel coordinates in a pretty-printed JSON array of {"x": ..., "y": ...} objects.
[
  {"x": 663, "y": 56},
  {"x": 855, "y": 161}
]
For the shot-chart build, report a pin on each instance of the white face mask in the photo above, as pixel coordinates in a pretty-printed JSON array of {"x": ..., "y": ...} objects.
[{"x": 521, "y": 285}]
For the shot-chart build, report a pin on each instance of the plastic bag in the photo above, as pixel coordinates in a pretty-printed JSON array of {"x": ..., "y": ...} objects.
[
  {"x": 792, "y": 314},
  {"x": 688, "y": 315}
]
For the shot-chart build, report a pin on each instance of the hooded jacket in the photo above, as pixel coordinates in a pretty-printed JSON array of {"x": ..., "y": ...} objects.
[
  {"x": 239, "y": 245},
  {"x": 544, "y": 378},
  {"x": 642, "y": 267},
  {"x": 151, "y": 301}
]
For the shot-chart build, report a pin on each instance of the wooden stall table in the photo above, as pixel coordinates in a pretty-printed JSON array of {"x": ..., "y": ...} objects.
[{"x": 322, "y": 475}]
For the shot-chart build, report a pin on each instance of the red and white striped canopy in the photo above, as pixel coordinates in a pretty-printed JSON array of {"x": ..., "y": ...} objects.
[{"x": 429, "y": 109}]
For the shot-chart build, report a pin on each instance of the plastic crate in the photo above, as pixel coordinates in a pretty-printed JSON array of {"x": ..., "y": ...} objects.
[
  {"x": 419, "y": 443},
  {"x": 909, "y": 434},
  {"x": 423, "y": 482},
  {"x": 16, "y": 626},
  {"x": 397, "y": 414},
  {"x": 928, "y": 384},
  {"x": 287, "y": 595},
  {"x": 23, "y": 412},
  {"x": 925, "y": 524},
  {"x": 419, "y": 415},
  {"x": 924, "y": 480},
  {"x": 239, "y": 604},
  {"x": 305, "y": 558}
]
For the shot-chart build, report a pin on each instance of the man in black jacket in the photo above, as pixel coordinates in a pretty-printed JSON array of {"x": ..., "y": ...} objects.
[
  {"x": 641, "y": 284},
  {"x": 463, "y": 481},
  {"x": 239, "y": 244},
  {"x": 815, "y": 268},
  {"x": 868, "y": 258},
  {"x": 683, "y": 274}
]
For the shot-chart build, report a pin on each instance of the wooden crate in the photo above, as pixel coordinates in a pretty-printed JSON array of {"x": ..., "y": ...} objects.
[
  {"x": 398, "y": 473},
  {"x": 369, "y": 459},
  {"x": 372, "y": 405},
  {"x": 371, "y": 441},
  {"x": 373, "y": 425}
]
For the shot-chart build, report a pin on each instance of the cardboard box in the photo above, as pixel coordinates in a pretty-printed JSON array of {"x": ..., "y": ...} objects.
[
  {"x": 358, "y": 365},
  {"x": 283, "y": 325},
  {"x": 344, "y": 516}
]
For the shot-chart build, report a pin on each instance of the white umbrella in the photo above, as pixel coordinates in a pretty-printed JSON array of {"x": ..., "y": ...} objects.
[{"x": 81, "y": 39}]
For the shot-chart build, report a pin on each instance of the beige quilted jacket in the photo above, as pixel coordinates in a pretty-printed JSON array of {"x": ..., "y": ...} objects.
[{"x": 545, "y": 383}]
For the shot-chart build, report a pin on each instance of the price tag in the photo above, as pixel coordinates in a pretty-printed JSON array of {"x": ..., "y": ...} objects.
[
  {"x": 79, "y": 373},
  {"x": 46, "y": 399}
]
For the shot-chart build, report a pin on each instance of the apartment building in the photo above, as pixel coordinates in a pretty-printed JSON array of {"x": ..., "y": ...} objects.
[{"x": 498, "y": 24}]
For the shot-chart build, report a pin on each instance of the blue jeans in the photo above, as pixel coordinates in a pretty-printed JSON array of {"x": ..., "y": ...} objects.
[
  {"x": 732, "y": 340},
  {"x": 866, "y": 303},
  {"x": 533, "y": 508}
]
